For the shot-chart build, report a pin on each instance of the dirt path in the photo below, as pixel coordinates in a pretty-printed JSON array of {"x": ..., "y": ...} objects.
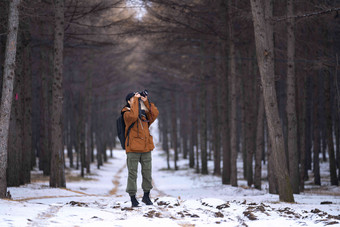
[
  {"x": 43, "y": 217},
  {"x": 51, "y": 211},
  {"x": 116, "y": 180}
]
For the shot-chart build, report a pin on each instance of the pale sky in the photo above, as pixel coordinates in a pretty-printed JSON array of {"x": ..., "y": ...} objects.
[{"x": 138, "y": 6}]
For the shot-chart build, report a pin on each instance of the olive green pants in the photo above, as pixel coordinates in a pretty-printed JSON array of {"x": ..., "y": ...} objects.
[{"x": 132, "y": 165}]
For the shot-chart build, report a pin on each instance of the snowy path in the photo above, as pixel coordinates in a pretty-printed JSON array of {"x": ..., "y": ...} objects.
[{"x": 182, "y": 198}]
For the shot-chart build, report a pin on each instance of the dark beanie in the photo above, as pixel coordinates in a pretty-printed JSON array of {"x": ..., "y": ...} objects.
[{"x": 129, "y": 96}]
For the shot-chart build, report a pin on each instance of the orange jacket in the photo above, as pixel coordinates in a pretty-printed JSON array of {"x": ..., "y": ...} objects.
[{"x": 139, "y": 139}]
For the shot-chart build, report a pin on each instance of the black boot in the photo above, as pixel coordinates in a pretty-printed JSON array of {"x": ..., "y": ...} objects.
[
  {"x": 146, "y": 199},
  {"x": 134, "y": 201}
]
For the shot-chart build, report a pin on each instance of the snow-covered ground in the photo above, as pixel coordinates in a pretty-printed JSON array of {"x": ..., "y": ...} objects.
[{"x": 181, "y": 198}]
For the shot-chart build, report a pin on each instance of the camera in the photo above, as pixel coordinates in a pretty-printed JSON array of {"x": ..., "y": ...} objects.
[{"x": 144, "y": 93}]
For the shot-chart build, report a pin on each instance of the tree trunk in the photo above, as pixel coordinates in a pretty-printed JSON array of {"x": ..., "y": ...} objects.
[
  {"x": 272, "y": 179},
  {"x": 104, "y": 152},
  {"x": 15, "y": 140},
  {"x": 291, "y": 98},
  {"x": 99, "y": 151},
  {"x": 174, "y": 130},
  {"x": 308, "y": 124},
  {"x": 250, "y": 123},
  {"x": 185, "y": 131},
  {"x": 184, "y": 125},
  {"x": 243, "y": 125},
  {"x": 233, "y": 100},
  {"x": 27, "y": 118},
  {"x": 337, "y": 130},
  {"x": 44, "y": 132},
  {"x": 216, "y": 127},
  {"x": 193, "y": 138},
  {"x": 57, "y": 178},
  {"x": 76, "y": 149},
  {"x": 337, "y": 134},
  {"x": 81, "y": 135},
  {"x": 225, "y": 119},
  {"x": 14, "y": 160},
  {"x": 316, "y": 131},
  {"x": 165, "y": 130},
  {"x": 69, "y": 143},
  {"x": 88, "y": 125},
  {"x": 92, "y": 144},
  {"x": 203, "y": 129},
  {"x": 323, "y": 140},
  {"x": 259, "y": 144},
  {"x": 329, "y": 130},
  {"x": 7, "y": 90},
  {"x": 262, "y": 17},
  {"x": 301, "y": 100}
]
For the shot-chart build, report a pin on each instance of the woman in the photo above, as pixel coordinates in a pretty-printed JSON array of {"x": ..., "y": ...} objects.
[{"x": 139, "y": 143}]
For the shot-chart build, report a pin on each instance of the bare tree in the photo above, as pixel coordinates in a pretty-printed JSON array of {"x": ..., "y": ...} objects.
[
  {"x": 291, "y": 97},
  {"x": 7, "y": 90},
  {"x": 263, "y": 29},
  {"x": 233, "y": 97},
  {"x": 330, "y": 142},
  {"x": 57, "y": 178},
  {"x": 316, "y": 130},
  {"x": 259, "y": 144}
]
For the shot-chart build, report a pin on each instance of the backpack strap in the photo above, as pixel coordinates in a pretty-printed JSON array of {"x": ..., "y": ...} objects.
[{"x": 128, "y": 131}]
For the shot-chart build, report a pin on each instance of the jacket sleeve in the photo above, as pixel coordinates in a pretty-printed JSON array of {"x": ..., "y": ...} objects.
[
  {"x": 132, "y": 115},
  {"x": 153, "y": 111}
]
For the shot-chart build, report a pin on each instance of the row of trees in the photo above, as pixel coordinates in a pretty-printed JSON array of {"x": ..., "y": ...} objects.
[
  {"x": 251, "y": 78},
  {"x": 61, "y": 81},
  {"x": 223, "y": 67}
]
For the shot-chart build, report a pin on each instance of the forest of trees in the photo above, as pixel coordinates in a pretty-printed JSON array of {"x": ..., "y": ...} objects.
[{"x": 255, "y": 80}]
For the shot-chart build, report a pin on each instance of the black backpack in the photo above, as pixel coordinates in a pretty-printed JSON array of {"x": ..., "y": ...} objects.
[{"x": 121, "y": 130}]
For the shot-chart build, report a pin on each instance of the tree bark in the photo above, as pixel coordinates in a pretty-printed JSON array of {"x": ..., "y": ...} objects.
[
  {"x": 337, "y": 140},
  {"x": 337, "y": 131},
  {"x": 15, "y": 140},
  {"x": 81, "y": 135},
  {"x": 165, "y": 130},
  {"x": 45, "y": 110},
  {"x": 262, "y": 16},
  {"x": 89, "y": 123},
  {"x": 250, "y": 122},
  {"x": 7, "y": 90},
  {"x": 203, "y": 129},
  {"x": 14, "y": 148},
  {"x": 301, "y": 100},
  {"x": 184, "y": 128},
  {"x": 193, "y": 138},
  {"x": 316, "y": 131},
  {"x": 216, "y": 125},
  {"x": 69, "y": 142},
  {"x": 225, "y": 119},
  {"x": 174, "y": 130},
  {"x": 243, "y": 125},
  {"x": 272, "y": 179},
  {"x": 57, "y": 178},
  {"x": 329, "y": 129},
  {"x": 291, "y": 98},
  {"x": 308, "y": 124},
  {"x": 259, "y": 144},
  {"x": 233, "y": 100},
  {"x": 27, "y": 118}
]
